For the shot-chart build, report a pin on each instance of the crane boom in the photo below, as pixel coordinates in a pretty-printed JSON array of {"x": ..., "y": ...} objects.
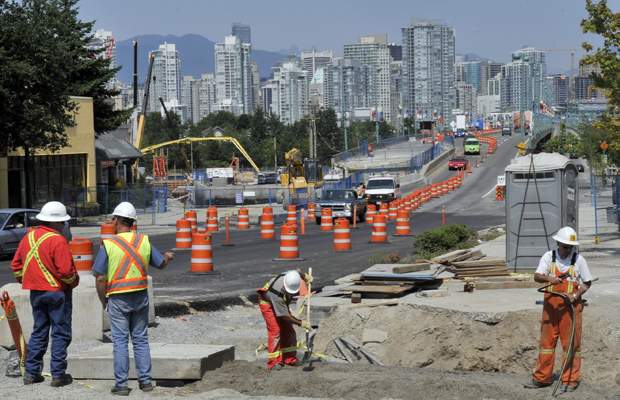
[
  {"x": 572, "y": 66},
  {"x": 145, "y": 102}
]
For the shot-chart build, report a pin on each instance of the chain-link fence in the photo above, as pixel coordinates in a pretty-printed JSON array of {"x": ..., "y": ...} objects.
[{"x": 604, "y": 191}]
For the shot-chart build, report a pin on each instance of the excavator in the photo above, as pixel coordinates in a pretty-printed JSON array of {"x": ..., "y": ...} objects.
[{"x": 302, "y": 177}]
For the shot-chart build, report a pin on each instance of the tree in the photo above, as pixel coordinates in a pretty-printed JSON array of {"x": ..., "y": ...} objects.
[{"x": 330, "y": 138}]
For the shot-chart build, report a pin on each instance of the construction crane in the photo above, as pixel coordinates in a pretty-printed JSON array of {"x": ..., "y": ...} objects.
[
  {"x": 110, "y": 47},
  {"x": 177, "y": 136},
  {"x": 572, "y": 66}
]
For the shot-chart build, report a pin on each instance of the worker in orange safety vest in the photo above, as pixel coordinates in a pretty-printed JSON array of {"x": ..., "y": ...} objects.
[
  {"x": 274, "y": 300},
  {"x": 44, "y": 265},
  {"x": 557, "y": 316}
]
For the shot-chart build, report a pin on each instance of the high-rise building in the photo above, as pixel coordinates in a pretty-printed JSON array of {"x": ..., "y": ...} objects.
[
  {"x": 255, "y": 84},
  {"x": 103, "y": 40},
  {"x": 465, "y": 99},
  {"x": 348, "y": 88},
  {"x": 166, "y": 76},
  {"x": 233, "y": 74},
  {"x": 559, "y": 86},
  {"x": 313, "y": 60},
  {"x": 428, "y": 67},
  {"x": 396, "y": 51},
  {"x": 241, "y": 31},
  {"x": 290, "y": 94},
  {"x": 372, "y": 51},
  {"x": 583, "y": 85},
  {"x": 516, "y": 79},
  {"x": 198, "y": 95}
]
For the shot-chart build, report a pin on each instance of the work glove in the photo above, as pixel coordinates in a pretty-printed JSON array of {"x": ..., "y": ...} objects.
[
  {"x": 306, "y": 325},
  {"x": 308, "y": 278}
]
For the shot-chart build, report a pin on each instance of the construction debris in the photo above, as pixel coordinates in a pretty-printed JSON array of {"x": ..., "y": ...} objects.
[{"x": 480, "y": 268}]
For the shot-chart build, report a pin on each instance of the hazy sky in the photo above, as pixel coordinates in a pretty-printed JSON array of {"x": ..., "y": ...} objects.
[{"x": 490, "y": 28}]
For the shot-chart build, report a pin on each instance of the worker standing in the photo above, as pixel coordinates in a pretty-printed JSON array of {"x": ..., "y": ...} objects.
[
  {"x": 44, "y": 265},
  {"x": 121, "y": 280},
  {"x": 557, "y": 316},
  {"x": 274, "y": 300}
]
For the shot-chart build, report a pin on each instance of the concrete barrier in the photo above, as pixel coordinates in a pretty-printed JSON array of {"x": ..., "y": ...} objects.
[{"x": 434, "y": 165}]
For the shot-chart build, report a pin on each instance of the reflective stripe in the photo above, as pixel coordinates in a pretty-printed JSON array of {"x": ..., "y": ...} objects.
[
  {"x": 131, "y": 258},
  {"x": 201, "y": 247},
  {"x": 289, "y": 350},
  {"x": 546, "y": 351},
  {"x": 184, "y": 230},
  {"x": 264, "y": 302},
  {"x": 341, "y": 230},
  {"x": 282, "y": 248},
  {"x": 83, "y": 257},
  {"x": 342, "y": 240},
  {"x": 275, "y": 355},
  {"x": 34, "y": 252},
  {"x": 201, "y": 260},
  {"x": 576, "y": 354},
  {"x": 288, "y": 237},
  {"x": 184, "y": 240}
]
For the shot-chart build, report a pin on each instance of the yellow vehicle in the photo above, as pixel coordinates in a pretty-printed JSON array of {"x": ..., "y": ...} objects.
[{"x": 301, "y": 177}]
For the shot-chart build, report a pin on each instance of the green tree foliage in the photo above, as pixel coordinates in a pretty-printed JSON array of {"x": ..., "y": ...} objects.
[
  {"x": 450, "y": 237},
  {"x": 564, "y": 143}
]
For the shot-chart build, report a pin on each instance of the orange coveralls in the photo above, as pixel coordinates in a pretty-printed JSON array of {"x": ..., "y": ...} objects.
[{"x": 558, "y": 321}]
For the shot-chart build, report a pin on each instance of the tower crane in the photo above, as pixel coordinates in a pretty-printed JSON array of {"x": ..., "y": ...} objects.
[{"x": 572, "y": 66}]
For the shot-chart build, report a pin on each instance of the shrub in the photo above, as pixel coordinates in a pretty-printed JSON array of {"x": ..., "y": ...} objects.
[{"x": 442, "y": 239}]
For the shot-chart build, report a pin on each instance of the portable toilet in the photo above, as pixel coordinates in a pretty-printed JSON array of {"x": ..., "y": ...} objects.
[{"x": 541, "y": 198}]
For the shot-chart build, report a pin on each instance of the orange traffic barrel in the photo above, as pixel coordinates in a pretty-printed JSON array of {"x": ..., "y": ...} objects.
[
  {"x": 244, "y": 219},
  {"x": 459, "y": 179},
  {"x": 434, "y": 190},
  {"x": 450, "y": 184},
  {"x": 107, "y": 231},
  {"x": 291, "y": 214},
  {"x": 384, "y": 209},
  {"x": 184, "y": 235},
  {"x": 371, "y": 211},
  {"x": 444, "y": 187},
  {"x": 191, "y": 216},
  {"x": 311, "y": 216},
  {"x": 212, "y": 219},
  {"x": 267, "y": 210},
  {"x": 327, "y": 221},
  {"x": 425, "y": 194},
  {"x": 267, "y": 226},
  {"x": 408, "y": 203},
  {"x": 134, "y": 227},
  {"x": 201, "y": 261},
  {"x": 393, "y": 210},
  {"x": 82, "y": 252},
  {"x": 289, "y": 243},
  {"x": 402, "y": 223},
  {"x": 379, "y": 229},
  {"x": 342, "y": 234}
]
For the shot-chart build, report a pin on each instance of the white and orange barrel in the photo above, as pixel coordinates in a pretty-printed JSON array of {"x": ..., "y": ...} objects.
[
  {"x": 384, "y": 209},
  {"x": 184, "y": 234},
  {"x": 291, "y": 214},
  {"x": 459, "y": 179},
  {"x": 379, "y": 228},
  {"x": 371, "y": 211},
  {"x": 342, "y": 234},
  {"x": 393, "y": 210},
  {"x": 82, "y": 252},
  {"x": 450, "y": 184},
  {"x": 202, "y": 252},
  {"x": 289, "y": 243},
  {"x": 311, "y": 216},
  {"x": 408, "y": 203},
  {"x": 267, "y": 226},
  {"x": 107, "y": 231},
  {"x": 444, "y": 187},
  {"x": 134, "y": 227},
  {"x": 212, "y": 219},
  {"x": 193, "y": 219},
  {"x": 267, "y": 210},
  {"x": 327, "y": 221},
  {"x": 434, "y": 190},
  {"x": 244, "y": 219},
  {"x": 402, "y": 223}
]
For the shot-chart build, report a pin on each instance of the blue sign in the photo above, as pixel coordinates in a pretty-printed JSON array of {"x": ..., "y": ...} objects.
[{"x": 239, "y": 198}]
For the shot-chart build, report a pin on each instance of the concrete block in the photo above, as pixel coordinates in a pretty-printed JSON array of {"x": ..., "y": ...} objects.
[
  {"x": 106, "y": 316},
  {"x": 374, "y": 336},
  {"x": 86, "y": 319},
  {"x": 169, "y": 361}
]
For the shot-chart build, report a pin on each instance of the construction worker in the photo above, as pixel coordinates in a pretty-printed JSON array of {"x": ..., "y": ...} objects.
[
  {"x": 369, "y": 151},
  {"x": 44, "y": 265},
  {"x": 557, "y": 315},
  {"x": 274, "y": 299},
  {"x": 121, "y": 280}
]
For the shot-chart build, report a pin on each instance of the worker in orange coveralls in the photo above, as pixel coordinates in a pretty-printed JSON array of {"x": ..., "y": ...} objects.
[
  {"x": 274, "y": 299},
  {"x": 557, "y": 316}
]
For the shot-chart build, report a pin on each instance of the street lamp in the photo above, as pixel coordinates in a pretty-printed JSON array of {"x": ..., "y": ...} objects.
[
  {"x": 523, "y": 59},
  {"x": 378, "y": 69},
  {"x": 402, "y": 100},
  {"x": 344, "y": 108}
]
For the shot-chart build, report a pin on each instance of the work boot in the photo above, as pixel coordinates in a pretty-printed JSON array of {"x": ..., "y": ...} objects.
[
  {"x": 568, "y": 388},
  {"x": 64, "y": 380},
  {"x": 296, "y": 364},
  {"x": 276, "y": 367},
  {"x": 534, "y": 384},
  {"x": 146, "y": 387},
  {"x": 29, "y": 380},
  {"x": 120, "y": 390}
]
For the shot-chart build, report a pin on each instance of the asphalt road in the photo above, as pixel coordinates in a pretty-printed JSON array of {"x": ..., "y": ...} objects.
[{"x": 249, "y": 264}]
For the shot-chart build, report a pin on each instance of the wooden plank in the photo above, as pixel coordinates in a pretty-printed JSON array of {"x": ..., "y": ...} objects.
[
  {"x": 376, "y": 289},
  {"x": 377, "y": 304},
  {"x": 466, "y": 256},
  {"x": 399, "y": 277},
  {"x": 442, "y": 258},
  {"x": 480, "y": 263},
  {"x": 479, "y": 275},
  {"x": 507, "y": 285},
  {"x": 480, "y": 269},
  {"x": 389, "y": 283},
  {"x": 411, "y": 268}
]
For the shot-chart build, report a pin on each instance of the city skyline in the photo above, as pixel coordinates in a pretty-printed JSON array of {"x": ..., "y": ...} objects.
[{"x": 491, "y": 29}]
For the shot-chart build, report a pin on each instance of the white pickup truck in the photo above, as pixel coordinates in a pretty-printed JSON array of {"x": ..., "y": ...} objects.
[{"x": 382, "y": 189}]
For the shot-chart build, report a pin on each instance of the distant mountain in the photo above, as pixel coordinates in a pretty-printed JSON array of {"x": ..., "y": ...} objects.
[{"x": 196, "y": 52}]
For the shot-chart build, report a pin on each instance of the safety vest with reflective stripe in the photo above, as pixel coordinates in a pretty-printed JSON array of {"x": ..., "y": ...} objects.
[
  {"x": 128, "y": 259},
  {"x": 34, "y": 254},
  {"x": 268, "y": 288},
  {"x": 554, "y": 271}
]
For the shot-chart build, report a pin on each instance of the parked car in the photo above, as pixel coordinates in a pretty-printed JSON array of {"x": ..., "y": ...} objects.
[
  {"x": 458, "y": 162},
  {"x": 14, "y": 224},
  {"x": 506, "y": 131},
  {"x": 580, "y": 168}
]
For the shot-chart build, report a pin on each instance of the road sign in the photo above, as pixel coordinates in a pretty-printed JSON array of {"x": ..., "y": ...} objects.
[
  {"x": 501, "y": 180},
  {"x": 604, "y": 145},
  {"x": 521, "y": 145},
  {"x": 239, "y": 198}
]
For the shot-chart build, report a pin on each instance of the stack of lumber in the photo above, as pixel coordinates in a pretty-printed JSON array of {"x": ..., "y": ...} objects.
[
  {"x": 480, "y": 268},
  {"x": 458, "y": 255}
]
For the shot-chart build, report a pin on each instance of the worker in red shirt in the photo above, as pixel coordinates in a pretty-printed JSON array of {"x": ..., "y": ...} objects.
[{"x": 44, "y": 265}]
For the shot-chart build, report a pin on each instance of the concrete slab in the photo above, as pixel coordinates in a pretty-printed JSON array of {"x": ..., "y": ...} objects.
[{"x": 169, "y": 361}]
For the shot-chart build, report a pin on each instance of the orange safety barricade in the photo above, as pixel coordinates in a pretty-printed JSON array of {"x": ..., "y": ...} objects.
[
  {"x": 243, "y": 221},
  {"x": 402, "y": 223},
  {"x": 202, "y": 253},
  {"x": 184, "y": 235},
  {"x": 193, "y": 219},
  {"x": 267, "y": 210},
  {"x": 393, "y": 210},
  {"x": 433, "y": 190},
  {"x": 499, "y": 193},
  {"x": 134, "y": 227},
  {"x": 82, "y": 252},
  {"x": 327, "y": 221},
  {"x": 267, "y": 226},
  {"x": 291, "y": 214},
  {"x": 444, "y": 187},
  {"x": 379, "y": 229},
  {"x": 371, "y": 211},
  {"x": 459, "y": 180},
  {"x": 408, "y": 203},
  {"x": 16, "y": 330},
  {"x": 450, "y": 184},
  {"x": 342, "y": 234},
  {"x": 212, "y": 219},
  {"x": 311, "y": 216},
  {"x": 384, "y": 209},
  {"x": 289, "y": 242},
  {"x": 107, "y": 231}
]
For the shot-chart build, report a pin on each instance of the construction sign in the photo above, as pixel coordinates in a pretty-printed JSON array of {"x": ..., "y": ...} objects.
[
  {"x": 604, "y": 145},
  {"x": 521, "y": 147}
]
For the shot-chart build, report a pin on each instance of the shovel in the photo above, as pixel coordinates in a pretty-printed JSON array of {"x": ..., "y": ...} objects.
[{"x": 309, "y": 335}]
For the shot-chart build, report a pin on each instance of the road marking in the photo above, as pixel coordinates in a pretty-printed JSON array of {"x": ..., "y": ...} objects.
[{"x": 490, "y": 191}]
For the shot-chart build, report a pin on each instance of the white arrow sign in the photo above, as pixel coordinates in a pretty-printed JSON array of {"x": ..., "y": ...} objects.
[{"x": 501, "y": 180}]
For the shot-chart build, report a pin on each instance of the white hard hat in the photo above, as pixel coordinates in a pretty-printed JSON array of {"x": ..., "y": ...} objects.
[
  {"x": 53, "y": 211},
  {"x": 292, "y": 282},
  {"x": 567, "y": 235},
  {"x": 125, "y": 209}
]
